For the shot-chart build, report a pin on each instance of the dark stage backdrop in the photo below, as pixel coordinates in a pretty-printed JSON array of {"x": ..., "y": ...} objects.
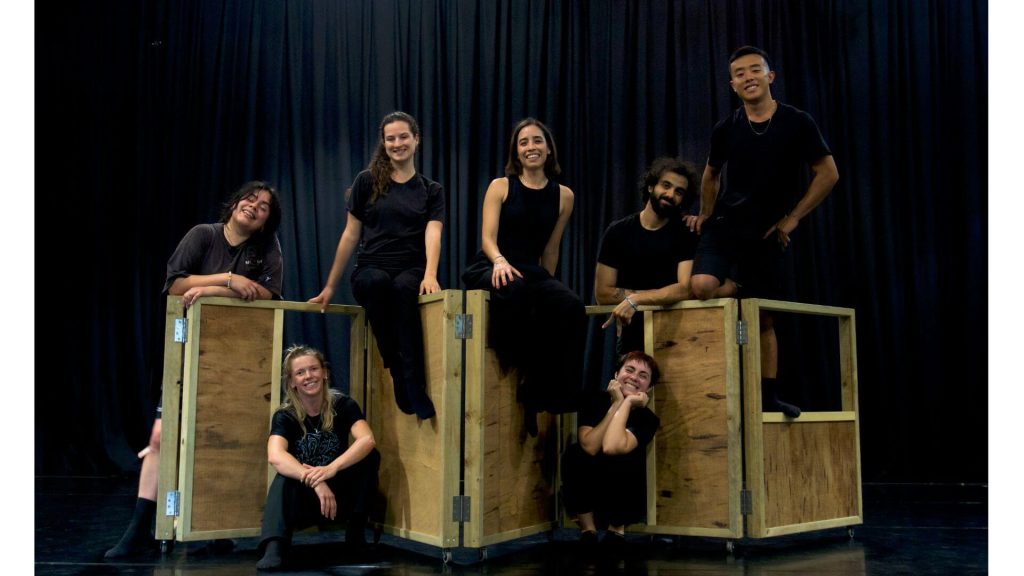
[{"x": 150, "y": 112}]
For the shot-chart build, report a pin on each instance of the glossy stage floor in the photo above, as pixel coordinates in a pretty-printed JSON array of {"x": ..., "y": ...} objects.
[{"x": 907, "y": 530}]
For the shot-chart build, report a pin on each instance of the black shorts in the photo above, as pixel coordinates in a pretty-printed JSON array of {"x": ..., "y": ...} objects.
[{"x": 731, "y": 246}]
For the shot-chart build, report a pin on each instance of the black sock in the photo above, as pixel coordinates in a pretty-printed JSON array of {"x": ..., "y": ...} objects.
[
  {"x": 138, "y": 537},
  {"x": 355, "y": 533},
  {"x": 770, "y": 399},
  {"x": 271, "y": 555}
]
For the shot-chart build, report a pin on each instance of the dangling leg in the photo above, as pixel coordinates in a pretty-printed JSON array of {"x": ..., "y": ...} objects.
[{"x": 409, "y": 330}]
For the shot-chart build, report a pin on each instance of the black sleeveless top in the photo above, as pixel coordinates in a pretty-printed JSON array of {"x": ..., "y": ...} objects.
[{"x": 528, "y": 216}]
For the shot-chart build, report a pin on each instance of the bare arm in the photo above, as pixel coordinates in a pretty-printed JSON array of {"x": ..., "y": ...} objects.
[
  {"x": 191, "y": 288},
  {"x": 592, "y": 437},
  {"x": 432, "y": 240},
  {"x": 618, "y": 440},
  {"x": 624, "y": 311},
  {"x": 346, "y": 247},
  {"x": 606, "y": 290},
  {"x": 503, "y": 273},
  {"x": 549, "y": 258},
  {"x": 359, "y": 449},
  {"x": 825, "y": 177},
  {"x": 282, "y": 461},
  {"x": 709, "y": 185}
]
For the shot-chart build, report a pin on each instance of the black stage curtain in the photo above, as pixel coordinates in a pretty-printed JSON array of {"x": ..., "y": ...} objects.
[{"x": 150, "y": 112}]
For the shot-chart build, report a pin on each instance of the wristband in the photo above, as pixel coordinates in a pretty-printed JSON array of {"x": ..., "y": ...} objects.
[
  {"x": 631, "y": 304},
  {"x": 229, "y": 279}
]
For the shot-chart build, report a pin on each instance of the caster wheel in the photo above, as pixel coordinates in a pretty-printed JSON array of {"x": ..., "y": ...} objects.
[
  {"x": 483, "y": 554},
  {"x": 446, "y": 556},
  {"x": 730, "y": 547},
  {"x": 166, "y": 546},
  {"x": 850, "y": 533}
]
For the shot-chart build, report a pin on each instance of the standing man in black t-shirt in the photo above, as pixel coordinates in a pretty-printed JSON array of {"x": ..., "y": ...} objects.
[
  {"x": 645, "y": 258},
  {"x": 768, "y": 147}
]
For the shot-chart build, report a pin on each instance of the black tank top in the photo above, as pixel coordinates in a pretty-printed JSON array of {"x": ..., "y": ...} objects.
[{"x": 528, "y": 217}]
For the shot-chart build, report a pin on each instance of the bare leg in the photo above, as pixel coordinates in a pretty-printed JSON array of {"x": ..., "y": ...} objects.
[
  {"x": 769, "y": 347},
  {"x": 770, "y": 370},
  {"x": 586, "y": 522},
  {"x": 706, "y": 287}
]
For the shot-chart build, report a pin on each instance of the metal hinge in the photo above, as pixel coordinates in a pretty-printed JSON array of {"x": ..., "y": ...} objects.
[
  {"x": 181, "y": 330},
  {"x": 745, "y": 505},
  {"x": 173, "y": 499},
  {"x": 464, "y": 326},
  {"x": 460, "y": 508},
  {"x": 741, "y": 332}
]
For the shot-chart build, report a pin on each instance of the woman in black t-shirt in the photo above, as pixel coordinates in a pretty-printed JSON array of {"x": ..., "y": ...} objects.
[
  {"x": 395, "y": 217},
  {"x": 319, "y": 475}
]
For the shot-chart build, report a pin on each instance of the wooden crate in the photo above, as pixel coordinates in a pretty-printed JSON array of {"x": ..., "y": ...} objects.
[
  {"x": 694, "y": 463},
  {"x": 221, "y": 385},
  {"x": 467, "y": 477},
  {"x": 803, "y": 474},
  {"x": 420, "y": 459},
  {"x": 510, "y": 477}
]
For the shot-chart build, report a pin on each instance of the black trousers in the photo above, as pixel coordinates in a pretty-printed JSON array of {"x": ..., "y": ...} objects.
[
  {"x": 539, "y": 327},
  {"x": 293, "y": 506},
  {"x": 391, "y": 300},
  {"x": 602, "y": 485}
]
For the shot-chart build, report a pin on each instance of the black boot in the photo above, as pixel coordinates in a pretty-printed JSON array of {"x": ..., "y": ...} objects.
[
  {"x": 770, "y": 399},
  {"x": 138, "y": 537}
]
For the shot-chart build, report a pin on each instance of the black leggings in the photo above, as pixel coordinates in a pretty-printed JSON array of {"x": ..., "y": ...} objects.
[
  {"x": 391, "y": 300},
  {"x": 293, "y": 506}
]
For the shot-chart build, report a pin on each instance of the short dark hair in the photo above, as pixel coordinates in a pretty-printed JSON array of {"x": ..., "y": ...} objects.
[
  {"x": 639, "y": 356},
  {"x": 253, "y": 188},
  {"x": 745, "y": 50},
  {"x": 665, "y": 164},
  {"x": 514, "y": 167}
]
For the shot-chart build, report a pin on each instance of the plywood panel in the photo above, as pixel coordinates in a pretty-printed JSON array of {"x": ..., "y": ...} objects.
[
  {"x": 519, "y": 470},
  {"x": 810, "y": 472},
  {"x": 418, "y": 457},
  {"x": 233, "y": 392},
  {"x": 692, "y": 446}
]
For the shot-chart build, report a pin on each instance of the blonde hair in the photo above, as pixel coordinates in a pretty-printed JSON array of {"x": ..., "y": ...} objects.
[{"x": 292, "y": 402}]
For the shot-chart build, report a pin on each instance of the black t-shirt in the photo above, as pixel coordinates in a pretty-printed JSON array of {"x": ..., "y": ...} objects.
[
  {"x": 642, "y": 422},
  {"x": 646, "y": 259},
  {"x": 317, "y": 447},
  {"x": 766, "y": 174},
  {"x": 204, "y": 250},
  {"x": 394, "y": 225}
]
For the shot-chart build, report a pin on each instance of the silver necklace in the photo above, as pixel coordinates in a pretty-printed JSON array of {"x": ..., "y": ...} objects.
[{"x": 770, "y": 118}]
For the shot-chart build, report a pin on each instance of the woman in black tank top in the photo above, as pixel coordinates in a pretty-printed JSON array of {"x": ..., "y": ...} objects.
[{"x": 538, "y": 325}]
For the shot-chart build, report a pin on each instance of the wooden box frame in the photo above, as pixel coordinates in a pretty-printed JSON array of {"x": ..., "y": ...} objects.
[
  {"x": 214, "y": 474},
  {"x": 817, "y": 453},
  {"x": 694, "y": 462},
  {"x": 477, "y": 476}
]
